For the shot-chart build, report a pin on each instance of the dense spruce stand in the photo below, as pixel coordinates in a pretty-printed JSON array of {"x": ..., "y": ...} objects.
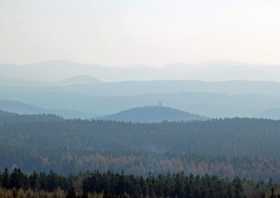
[{"x": 17, "y": 184}]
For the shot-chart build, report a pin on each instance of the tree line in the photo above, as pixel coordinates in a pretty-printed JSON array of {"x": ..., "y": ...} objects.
[{"x": 15, "y": 184}]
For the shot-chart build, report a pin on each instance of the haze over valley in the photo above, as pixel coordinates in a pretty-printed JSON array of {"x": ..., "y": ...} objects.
[
  {"x": 86, "y": 96},
  {"x": 139, "y": 99}
]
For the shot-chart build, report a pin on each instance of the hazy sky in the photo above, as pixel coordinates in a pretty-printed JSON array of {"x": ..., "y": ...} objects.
[{"x": 152, "y": 32}]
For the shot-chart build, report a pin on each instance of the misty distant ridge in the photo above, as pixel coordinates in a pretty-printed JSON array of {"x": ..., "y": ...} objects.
[
  {"x": 20, "y": 107},
  {"x": 80, "y": 80},
  {"x": 145, "y": 114},
  {"x": 152, "y": 114},
  {"x": 140, "y": 114},
  {"x": 83, "y": 90},
  {"x": 220, "y": 71},
  {"x": 88, "y": 97}
]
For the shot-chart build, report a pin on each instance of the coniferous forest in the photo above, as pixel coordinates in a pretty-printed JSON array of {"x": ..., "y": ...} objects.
[
  {"x": 48, "y": 156},
  {"x": 247, "y": 148},
  {"x": 17, "y": 184}
]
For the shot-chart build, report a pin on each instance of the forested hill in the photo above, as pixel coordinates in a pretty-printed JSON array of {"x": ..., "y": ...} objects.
[
  {"x": 8, "y": 117},
  {"x": 228, "y": 147},
  {"x": 224, "y": 137},
  {"x": 150, "y": 114}
]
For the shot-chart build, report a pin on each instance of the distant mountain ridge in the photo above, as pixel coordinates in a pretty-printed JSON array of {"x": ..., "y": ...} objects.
[
  {"x": 88, "y": 100},
  {"x": 20, "y": 107},
  {"x": 150, "y": 114},
  {"x": 80, "y": 80},
  {"x": 59, "y": 69}
]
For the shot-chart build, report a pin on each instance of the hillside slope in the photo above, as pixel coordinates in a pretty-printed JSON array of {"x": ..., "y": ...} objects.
[
  {"x": 149, "y": 114},
  {"x": 20, "y": 107}
]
